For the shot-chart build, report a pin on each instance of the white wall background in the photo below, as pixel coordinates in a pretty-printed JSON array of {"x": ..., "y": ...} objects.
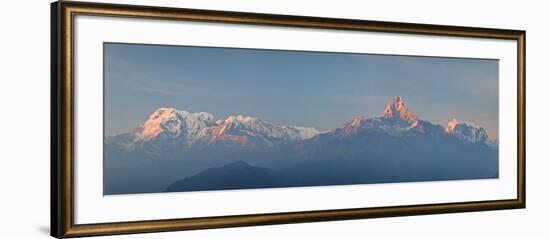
[{"x": 24, "y": 119}]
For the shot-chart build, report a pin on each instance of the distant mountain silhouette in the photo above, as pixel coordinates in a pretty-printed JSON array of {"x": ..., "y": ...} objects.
[
  {"x": 237, "y": 175},
  {"x": 339, "y": 171}
]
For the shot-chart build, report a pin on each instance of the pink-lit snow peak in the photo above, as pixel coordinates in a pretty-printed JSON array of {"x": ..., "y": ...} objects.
[
  {"x": 152, "y": 127},
  {"x": 451, "y": 125},
  {"x": 397, "y": 109}
]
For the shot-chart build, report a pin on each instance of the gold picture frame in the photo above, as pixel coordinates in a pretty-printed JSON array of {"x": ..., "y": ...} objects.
[{"x": 62, "y": 102}]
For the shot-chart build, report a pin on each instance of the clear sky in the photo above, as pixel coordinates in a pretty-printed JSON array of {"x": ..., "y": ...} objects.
[{"x": 314, "y": 89}]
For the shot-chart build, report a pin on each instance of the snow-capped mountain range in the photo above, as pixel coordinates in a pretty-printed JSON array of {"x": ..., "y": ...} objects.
[
  {"x": 398, "y": 119},
  {"x": 168, "y": 124},
  {"x": 396, "y": 146},
  {"x": 201, "y": 128}
]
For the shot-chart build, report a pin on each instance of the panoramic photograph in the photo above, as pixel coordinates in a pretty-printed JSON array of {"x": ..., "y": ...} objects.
[{"x": 191, "y": 118}]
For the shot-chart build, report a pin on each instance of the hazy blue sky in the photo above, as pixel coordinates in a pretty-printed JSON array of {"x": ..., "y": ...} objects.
[{"x": 321, "y": 90}]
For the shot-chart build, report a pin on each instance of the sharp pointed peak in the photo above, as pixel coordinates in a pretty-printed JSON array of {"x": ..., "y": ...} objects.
[
  {"x": 451, "y": 125},
  {"x": 396, "y": 109},
  {"x": 397, "y": 100}
]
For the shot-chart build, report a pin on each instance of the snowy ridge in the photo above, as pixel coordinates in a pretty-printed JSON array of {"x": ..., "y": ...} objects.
[
  {"x": 168, "y": 123},
  {"x": 187, "y": 129},
  {"x": 467, "y": 131},
  {"x": 254, "y": 125},
  {"x": 397, "y": 119},
  {"x": 191, "y": 128}
]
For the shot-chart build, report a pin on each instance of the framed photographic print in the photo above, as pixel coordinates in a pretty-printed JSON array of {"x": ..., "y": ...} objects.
[{"x": 170, "y": 119}]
